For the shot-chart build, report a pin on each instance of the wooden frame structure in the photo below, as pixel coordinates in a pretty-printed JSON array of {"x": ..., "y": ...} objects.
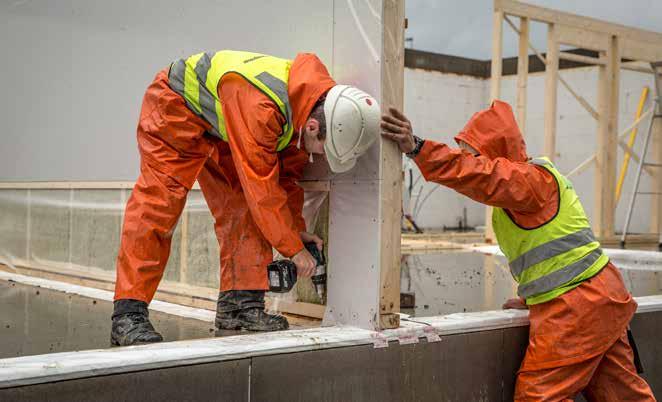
[{"x": 618, "y": 47}]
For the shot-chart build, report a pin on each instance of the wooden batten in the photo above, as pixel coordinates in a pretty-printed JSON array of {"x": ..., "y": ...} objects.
[{"x": 391, "y": 161}]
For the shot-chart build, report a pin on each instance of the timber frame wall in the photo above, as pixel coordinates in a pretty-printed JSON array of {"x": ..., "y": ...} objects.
[{"x": 619, "y": 47}]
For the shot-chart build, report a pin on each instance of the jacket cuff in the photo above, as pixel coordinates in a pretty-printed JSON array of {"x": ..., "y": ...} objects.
[
  {"x": 290, "y": 248},
  {"x": 418, "y": 144}
]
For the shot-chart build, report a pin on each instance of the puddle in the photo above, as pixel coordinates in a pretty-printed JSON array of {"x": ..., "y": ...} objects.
[
  {"x": 35, "y": 320},
  {"x": 454, "y": 282}
]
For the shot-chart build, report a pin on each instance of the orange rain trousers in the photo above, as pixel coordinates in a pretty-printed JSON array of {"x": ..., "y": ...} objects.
[
  {"x": 174, "y": 153},
  {"x": 607, "y": 377},
  {"x": 578, "y": 343}
]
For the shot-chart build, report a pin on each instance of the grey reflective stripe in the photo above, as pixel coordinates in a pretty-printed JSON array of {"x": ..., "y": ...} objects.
[
  {"x": 551, "y": 249},
  {"x": 176, "y": 76},
  {"x": 280, "y": 89},
  {"x": 555, "y": 279},
  {"x": 539, "y": 162},
  {"x": 206, "y": 98},
  {"x": 176, "y": 80}
]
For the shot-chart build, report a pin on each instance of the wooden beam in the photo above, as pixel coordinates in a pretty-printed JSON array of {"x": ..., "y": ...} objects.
[
  {"x": 495, "y": 93},
  {"x": 581, "y": 59},
  {"x": 637, "y": 66},
  {"x": 551, "y": 78},
  {"x": 656, "y": 182},
  {"x": 582, "y": 38},
  {"x": 578, "y": 97},
  {"x": 393, "y": 66},
  {"x": 605, "y": 175},
  {"x": 629, "y": 151},
  {"x": 497, "y": 43},
  {"x": 586, "y": 163},
  {"x": 542, "y": 14},
  {"x": 522, "y": 73},
  {"x": 581, "y": 167},
  {"x": 633, "y": 49}
]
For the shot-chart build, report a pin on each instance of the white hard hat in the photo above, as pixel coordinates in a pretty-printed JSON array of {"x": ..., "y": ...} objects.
[{"x": 352, "y": 125}]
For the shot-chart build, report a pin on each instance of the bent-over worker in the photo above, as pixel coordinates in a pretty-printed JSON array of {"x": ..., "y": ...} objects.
[
  {"x": 243, "y": 125},
  {"x": 579, "y": 308}
]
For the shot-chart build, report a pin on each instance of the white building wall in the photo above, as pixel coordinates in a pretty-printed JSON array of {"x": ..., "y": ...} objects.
[{"x": 440, "y": 104}]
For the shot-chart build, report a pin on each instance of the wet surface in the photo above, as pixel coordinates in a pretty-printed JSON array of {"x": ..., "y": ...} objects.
[
  {"x": 454, "y": 282},
  {"x": 34, "y": 321}
]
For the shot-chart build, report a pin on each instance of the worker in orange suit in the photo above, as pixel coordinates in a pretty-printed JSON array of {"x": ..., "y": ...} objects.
[
  {"x": 243, "y": 125},
  {"x": 579, "y": 308}
]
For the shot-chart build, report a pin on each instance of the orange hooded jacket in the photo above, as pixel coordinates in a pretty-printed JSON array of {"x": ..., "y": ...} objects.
[
  {"x": 579, "y": 324},
  {"x": 268, "y": 178}
]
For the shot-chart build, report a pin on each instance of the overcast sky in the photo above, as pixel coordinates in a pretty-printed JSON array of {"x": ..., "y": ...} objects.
[{"x": 464, "y": 27}]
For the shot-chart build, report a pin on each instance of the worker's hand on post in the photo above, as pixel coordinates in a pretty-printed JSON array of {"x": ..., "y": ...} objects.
[
  {"x": 305, "y": 263},
  {"x": 396, "y": 127},
  {"x": 308, "y": 237},
  {"x": 516, "y": 303}
]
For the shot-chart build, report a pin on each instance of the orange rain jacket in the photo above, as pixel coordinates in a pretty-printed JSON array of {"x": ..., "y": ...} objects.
[
  {"x": 577, "y": 326},
  {"x": 250, "y": 188}
]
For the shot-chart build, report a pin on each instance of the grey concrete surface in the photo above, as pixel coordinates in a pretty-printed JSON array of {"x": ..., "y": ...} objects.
[
  {"x": 478, "y": 366},
  {"x": 34, "y": 321}
]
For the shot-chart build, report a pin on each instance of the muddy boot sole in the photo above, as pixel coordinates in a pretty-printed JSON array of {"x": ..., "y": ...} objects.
[
  {"x": 233, "y": 325},
  {"x": 228, "y": 324},
  {"x": 115, "y": 344}
]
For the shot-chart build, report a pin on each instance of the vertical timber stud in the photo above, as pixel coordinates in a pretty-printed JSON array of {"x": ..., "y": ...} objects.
[
  {"x": 495, "y": 93},
  {"x": 656, "y": 199},
  {"x": 605, "y": 174},
  {"x": 522, "y": 73},
  {"x": 551, "y": 81},
  {"x": 392, "y": 89}
]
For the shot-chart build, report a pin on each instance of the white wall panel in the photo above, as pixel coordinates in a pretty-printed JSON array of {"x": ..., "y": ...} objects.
[{"x": 74, "y": 71}]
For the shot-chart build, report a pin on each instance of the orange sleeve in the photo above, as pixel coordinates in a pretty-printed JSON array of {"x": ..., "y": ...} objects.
[
  {"x": 516, "y": 186},
  {"x": 254, "y": 123}
]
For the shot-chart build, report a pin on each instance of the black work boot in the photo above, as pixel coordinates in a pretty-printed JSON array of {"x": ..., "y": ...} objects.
[
  {"x": 131, "y": 324},
  {"x": 244, "y": 309}
]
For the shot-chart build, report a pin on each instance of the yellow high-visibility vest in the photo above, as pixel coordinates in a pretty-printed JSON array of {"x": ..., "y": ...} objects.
[
  {"x": 196, "y": 79},
  {"x": 555, "y": 257}
]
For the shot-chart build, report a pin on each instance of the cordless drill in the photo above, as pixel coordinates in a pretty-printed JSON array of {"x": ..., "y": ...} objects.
[{"x": 282, "y": 274}]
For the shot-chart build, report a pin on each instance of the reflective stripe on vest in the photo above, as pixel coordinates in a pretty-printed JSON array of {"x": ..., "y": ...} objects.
[
  {"x": 555, "y": 257},
  {"x": 555, "y": 279},
  {"x": 551, "y": 249},
  {"x": 196, "y": 79}
]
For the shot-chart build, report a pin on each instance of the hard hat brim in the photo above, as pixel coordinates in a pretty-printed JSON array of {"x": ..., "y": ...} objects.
[{"x": 336, "y": 165}]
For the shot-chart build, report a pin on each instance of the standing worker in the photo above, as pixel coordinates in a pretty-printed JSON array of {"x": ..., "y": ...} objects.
[
  {"x": 244, "y": 125},
  {"x": 579, "y": 308}
]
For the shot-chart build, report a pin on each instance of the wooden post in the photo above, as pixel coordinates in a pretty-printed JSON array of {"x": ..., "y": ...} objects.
[
  {"x": 495, "y": 92},
  {"x": 393, "y": 67},
  {"x": 656, "y": 199},
  {"x": 605, "y": 174},
  {"x": 497, "y": 43},
  {"x": 551, "y": 78},
  {"x": 522, "y": 73}
]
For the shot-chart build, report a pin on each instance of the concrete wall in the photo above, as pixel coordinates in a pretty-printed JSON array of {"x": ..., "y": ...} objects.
[
  {"x": 440, "y": 104},
  {"x": 479, "y": 366},
  {"x": 80, "y": 229}
]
